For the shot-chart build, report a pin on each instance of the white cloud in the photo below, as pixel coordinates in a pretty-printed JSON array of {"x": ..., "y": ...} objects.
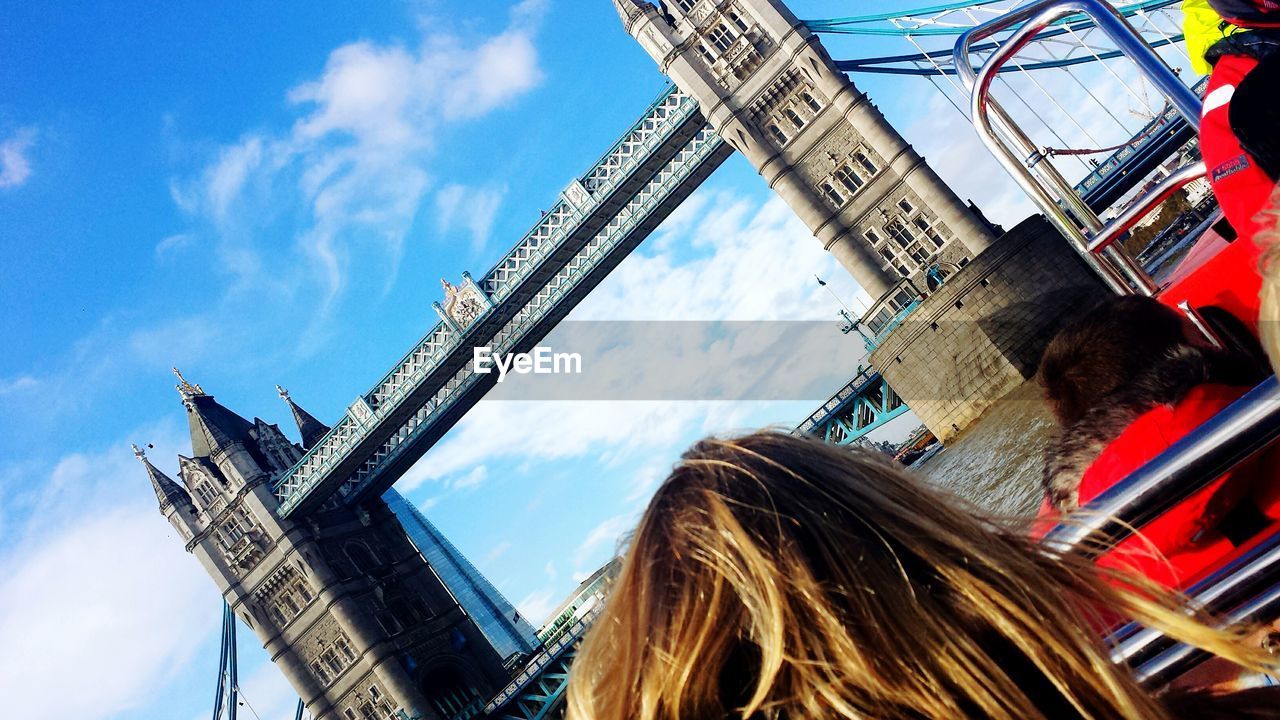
[
  {"x": 537, "y": 605},
  {"x": 99, "y": 589},
  {"x": 472, "y": 209},
  {"x": 497, "y": 551},
  {"x": 355, "y": 163},
  {"x": 603, "y": 536},
  {"x": 18, "y": 384},
  {"x": 473, "y": 479},
  {"x": 173, "y": 244},
  {"x": 15, "y": 166}
]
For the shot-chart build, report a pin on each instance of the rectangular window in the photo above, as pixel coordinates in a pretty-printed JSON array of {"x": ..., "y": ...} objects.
[
  {"x": 906, "y": 205},
  {"x": 865, "y": 163},
  {"x": 872, "y": 236},
  {"x": 928, "y": 231}
]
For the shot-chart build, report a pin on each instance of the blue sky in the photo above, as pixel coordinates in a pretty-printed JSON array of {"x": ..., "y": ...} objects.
[{"x": 267, "y": 193}]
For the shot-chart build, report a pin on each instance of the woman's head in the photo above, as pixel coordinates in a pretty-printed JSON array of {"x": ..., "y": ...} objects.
[
  {"x": 1104, "y": 349},
  {"x": 775, "y": 576}
]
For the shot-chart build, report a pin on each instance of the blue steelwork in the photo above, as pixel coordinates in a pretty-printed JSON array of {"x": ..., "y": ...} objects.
[
  {"x": 538, "y": 691},
  {"x": 1130, "y": 164},
  {"x": 883, "y": 65},
  {"x": 873, "y": 341},
  {"x": 227, "y": 695},
  {"x": 599, "y": 219},
  {"x": 864, "y": 404},
  {"x": 848, "y": 25}
]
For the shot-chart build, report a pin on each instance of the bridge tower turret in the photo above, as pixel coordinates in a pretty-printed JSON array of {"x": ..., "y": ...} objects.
[
  {"x": 343, "y": 602},
  {"x": 769, "y": 88}
]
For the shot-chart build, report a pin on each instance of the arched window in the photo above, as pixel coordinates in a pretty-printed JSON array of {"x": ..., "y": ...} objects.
[
  {"x": 865, "y": 163},
  {"x": 737, "y": 20},
  {"x": 205, "y": 494},
  {"x": 777, "y": 134},
  {"x": 846, "y": 177},
  {"x": 720, "y": 36},
  {"x": 928, "y": 231},
  {"x": 900, "y": 233},
  {"x": 832, "y": 194},
  {"x": 794, "y": 117},
  {"x": 811, "y": 102},
  {"x": 361, "y": 556}
]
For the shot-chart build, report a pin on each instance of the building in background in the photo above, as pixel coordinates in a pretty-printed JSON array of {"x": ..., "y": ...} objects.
[
  {"x": 510, "y": 633},
  {"x": 590, "y": 594}
]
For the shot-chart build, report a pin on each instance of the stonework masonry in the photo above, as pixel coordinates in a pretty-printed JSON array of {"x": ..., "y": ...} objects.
[
  {"x": 768, "y": 87},
  {"x": 981, "y": 334},
  {"x": 342, "y": 601}
]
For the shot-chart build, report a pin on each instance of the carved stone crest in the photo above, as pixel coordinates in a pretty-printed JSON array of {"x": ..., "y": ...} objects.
[{"x": 463, "y": 303}]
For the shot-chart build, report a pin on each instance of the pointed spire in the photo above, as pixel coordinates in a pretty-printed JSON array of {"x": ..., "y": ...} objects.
[
  {"x": 310, "y": 428},
  {"x": 168, "y": 492},
  {"x": 186, "y": 389},
  {"x": 212, "y": 425}
]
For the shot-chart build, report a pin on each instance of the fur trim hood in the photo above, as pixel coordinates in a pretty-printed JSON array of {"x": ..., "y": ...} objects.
[{"x": 1077, "y": 446}]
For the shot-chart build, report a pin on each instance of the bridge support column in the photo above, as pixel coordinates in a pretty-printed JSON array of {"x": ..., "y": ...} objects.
[{"x": 767, "y": 86}]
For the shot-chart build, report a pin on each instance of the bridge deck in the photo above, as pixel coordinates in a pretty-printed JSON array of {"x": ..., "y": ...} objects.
[{"x": 597, "y": 221}]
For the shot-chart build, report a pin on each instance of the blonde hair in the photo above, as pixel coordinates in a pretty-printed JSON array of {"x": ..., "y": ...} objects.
[
  {"x": 1269, "y": 312},
  {"x": 778, "y": 577}
]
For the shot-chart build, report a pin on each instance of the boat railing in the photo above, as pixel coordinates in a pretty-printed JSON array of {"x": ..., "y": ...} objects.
[
  {"x": 1015, "y": 151},
  {"x": 1243, "y": 590}
]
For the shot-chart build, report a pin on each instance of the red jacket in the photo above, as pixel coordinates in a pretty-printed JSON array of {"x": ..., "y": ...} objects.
[{"x": 1181, "y": 544}]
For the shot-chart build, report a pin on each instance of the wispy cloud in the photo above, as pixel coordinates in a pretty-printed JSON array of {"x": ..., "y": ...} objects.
[
  {"x": 97, "y": 579},
  {"x": 472, "y": 209},
  {"x": 603, "y": 536},
  {"x": 356, "y": 161},
  {"x": 537, "y": 605},
  {"x": 173, "y": 244},
  {"x": 15, "y": 165}
]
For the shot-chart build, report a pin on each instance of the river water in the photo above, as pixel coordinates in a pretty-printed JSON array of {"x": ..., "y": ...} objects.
[{"x": 996, "y": 462}]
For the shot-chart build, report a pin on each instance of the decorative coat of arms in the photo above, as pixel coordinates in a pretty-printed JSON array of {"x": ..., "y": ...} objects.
[{"x": 463, "y": 303}]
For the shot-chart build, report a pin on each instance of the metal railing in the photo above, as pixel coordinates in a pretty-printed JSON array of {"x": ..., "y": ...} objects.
[
  {"x": 1015, "y": 151},
  {"x": 1246, "y": 589}
]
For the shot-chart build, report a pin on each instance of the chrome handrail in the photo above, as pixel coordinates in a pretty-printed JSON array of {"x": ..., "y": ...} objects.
[
  {"x": 1143, "y": 206},
  {"x": 1040, "y": 180},
  {"x": 1230, "y": 586},
  {"x": 1219, "y": 444}
]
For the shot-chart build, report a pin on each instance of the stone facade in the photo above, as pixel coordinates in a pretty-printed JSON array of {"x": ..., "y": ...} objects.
[
  {"x": 768, "y": 87},
  {"x": 341, "y": 599},
  {"x": 981, "y": 334}
]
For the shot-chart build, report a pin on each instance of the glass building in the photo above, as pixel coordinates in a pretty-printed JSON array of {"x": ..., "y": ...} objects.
[{"x": 505, "y": 628}]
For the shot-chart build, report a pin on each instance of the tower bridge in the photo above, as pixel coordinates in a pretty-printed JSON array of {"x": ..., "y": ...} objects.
[{"x": 341, "y": 582}]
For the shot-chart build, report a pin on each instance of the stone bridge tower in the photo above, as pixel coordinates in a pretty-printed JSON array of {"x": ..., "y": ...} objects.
[
  {"x": 343, "y": 602},
  {"x": 768, "y": 87}
]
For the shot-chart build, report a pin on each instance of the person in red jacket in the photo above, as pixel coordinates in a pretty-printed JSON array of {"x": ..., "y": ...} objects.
[
  {"x": 1238, "y": 125},
  {"x": 1125, "y": 381}
]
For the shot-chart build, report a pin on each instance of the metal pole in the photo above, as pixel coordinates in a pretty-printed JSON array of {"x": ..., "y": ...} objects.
[
  {"x": 218, "y": 694},
  {"x": 1225, "y": 440},
  {"x": 1180, "y": 659},
  {"x": 1228, "y": 586},
  {"x": 1144, "y": 205}
]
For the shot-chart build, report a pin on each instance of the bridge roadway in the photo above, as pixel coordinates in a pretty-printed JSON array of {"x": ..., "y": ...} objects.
[{"x": 598, "y": 220}]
